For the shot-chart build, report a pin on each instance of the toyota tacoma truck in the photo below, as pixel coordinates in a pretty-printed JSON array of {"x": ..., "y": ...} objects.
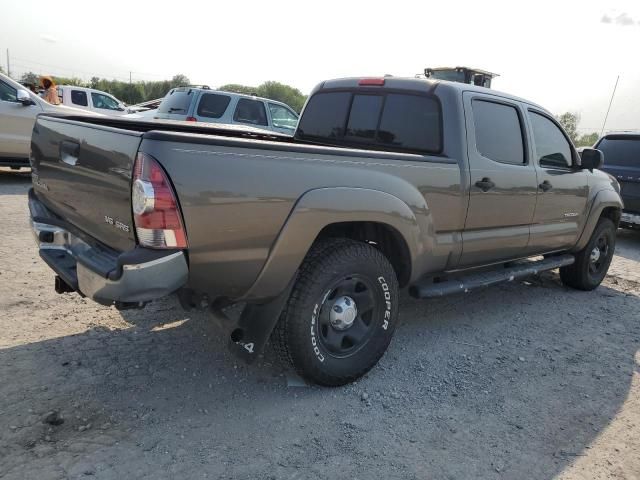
[{"x": 388, "y": 183}]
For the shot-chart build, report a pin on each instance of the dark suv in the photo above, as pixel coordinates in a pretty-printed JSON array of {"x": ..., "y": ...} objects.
[{"x": 622, "y": 160}]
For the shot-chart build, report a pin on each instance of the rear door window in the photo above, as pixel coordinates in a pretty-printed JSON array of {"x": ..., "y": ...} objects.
[
  {"x": 176, "y": 101},
  {"x": 552, "y": 147},
  {"x": 79, "y": 97},
  {"x": 621, "y": 151},
  {"x": 411, "y": 122},
  {"x": 251, "y": 112},
  {"x": 393, "y": 121},
  {"x": 213, "y": 105},
  {"x": 498, "y": 132}
]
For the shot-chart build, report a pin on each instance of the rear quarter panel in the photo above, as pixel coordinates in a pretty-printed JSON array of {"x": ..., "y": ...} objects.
[{"x": 236, "y": 199}]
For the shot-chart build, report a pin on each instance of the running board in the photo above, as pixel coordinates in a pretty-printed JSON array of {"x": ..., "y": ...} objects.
[{"x": 485, "y": 279}]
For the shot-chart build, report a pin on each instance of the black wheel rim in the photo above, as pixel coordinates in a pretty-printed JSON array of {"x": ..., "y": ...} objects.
[
  {"x": 599, "y": 257},
  {"x": 340, "y": 340}
]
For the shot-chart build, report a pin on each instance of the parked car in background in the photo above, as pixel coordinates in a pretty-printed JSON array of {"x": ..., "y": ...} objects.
[
  {"x": 201, "y": 104},
  {"x": 92, "y": 100},
  {"x": 387, "y": 183},
  {"x": 18, "y": 110},
  {"x": 622, "y": 160}
]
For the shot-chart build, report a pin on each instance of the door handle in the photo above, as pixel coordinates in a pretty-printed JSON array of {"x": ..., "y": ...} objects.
[
  {"x": 69, "y": 152},
  {"x": 485, "y": 184},
  {"x": 545, "y": 186}
]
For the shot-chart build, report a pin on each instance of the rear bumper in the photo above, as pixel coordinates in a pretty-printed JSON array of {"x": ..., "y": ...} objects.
[
  {"x": 100, "y": 273},
  {"x": 628, "y": 218}
]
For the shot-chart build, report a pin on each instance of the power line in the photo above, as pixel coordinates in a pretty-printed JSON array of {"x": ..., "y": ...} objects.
[{"x": 31, "y": 65}]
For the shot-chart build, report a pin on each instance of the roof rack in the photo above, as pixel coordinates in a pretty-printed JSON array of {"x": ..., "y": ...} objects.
[
  {"x": 204, "y": 87},
  {"x": 473, "y": 76}
]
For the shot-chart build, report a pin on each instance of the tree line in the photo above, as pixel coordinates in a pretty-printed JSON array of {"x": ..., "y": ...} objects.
[
  {"x": 142, "y": 91},
  {"x": 569, "y": 122}
]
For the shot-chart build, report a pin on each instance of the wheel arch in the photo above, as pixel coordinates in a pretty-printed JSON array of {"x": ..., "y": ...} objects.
[
  {"x": 358, "y": 213},
  {"x": 606, "y": 203}
]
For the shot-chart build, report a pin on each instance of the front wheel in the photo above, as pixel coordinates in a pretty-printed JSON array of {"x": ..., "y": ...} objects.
[
  {"x": 341, "y": 314},
  {"x": 592, "y": 262}
]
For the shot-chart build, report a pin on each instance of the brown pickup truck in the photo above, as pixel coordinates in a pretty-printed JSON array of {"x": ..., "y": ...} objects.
[{"x": 388, "y": 183}]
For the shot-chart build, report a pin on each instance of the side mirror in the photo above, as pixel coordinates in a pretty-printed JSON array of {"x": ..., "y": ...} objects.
[
  {"x": 24, "y": 98},
  {"x": 590, "y": 158}
]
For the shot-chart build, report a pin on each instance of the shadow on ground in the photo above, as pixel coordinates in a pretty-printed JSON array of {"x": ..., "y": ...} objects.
[{"x": 514, "y": 381}]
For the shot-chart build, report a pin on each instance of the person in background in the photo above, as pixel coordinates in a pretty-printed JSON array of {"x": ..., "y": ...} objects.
[{"x": 50, "y": 93}]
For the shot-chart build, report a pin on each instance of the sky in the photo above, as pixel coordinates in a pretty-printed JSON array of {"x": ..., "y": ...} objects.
[{"x": 562, "y": 54}]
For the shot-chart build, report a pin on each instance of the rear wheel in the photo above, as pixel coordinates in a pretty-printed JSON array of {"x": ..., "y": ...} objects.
[
  {"x": 593, "y": 261},
  {"x": 341, "y": 314}
]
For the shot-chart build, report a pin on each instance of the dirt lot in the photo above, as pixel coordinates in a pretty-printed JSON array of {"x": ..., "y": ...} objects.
[{"x": 529, "y": 380}]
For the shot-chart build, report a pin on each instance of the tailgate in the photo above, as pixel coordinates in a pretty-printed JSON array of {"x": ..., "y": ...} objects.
[{"x": 82, "y": 172}]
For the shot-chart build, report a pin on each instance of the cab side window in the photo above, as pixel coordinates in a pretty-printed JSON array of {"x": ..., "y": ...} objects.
[
  {"x": 498, "y": 132},
  {"x": 282, "y": 117},
  {"x": 552, "y": 147},
  {"x": 8, "y": 93},
  {"x": 102, "y": 101}
]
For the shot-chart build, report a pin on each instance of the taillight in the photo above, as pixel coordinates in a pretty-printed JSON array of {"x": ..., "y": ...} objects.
[
  {"x": 192, "y": 119},
  {"x": 155, "y": 209}
]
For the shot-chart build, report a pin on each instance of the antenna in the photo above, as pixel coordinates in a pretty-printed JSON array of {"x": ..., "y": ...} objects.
[{"x": 610, "y": 102}]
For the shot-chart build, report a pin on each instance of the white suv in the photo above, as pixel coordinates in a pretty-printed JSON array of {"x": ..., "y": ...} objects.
[
  {"x": 18, "y": 110},
  {"x": 201, "y": 104}
]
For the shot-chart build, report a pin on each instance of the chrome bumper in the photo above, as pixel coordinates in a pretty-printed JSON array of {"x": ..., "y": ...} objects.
[
  {"x": 632, "y": 218},
  {"x": 73, "y": 259}
]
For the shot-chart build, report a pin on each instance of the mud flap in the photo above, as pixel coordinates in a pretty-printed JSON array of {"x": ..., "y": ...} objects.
[{"x": 255, "y": 325}]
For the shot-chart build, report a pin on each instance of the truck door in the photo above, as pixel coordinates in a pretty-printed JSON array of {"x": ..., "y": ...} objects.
[
  {"x": 503, "y": 182},
  {"x": 561, "y": 209},
  {"x": 17, "y": 123}
]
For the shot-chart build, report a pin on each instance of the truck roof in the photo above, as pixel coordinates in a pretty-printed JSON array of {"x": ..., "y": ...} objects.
[{"x": 418, "y": 84}]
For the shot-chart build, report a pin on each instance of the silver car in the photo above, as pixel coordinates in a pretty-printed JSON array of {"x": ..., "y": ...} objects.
[
  {"x": 201, "y": 104},
  {"x": 18, "y": 110}
]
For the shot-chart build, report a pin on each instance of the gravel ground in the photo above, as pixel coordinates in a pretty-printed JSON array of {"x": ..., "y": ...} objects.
[{"x": 526, "y": 380}]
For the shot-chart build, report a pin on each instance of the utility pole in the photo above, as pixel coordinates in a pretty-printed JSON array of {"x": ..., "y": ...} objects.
[
  {"x": 130, "y": 89},
  {"x": 610, "y": 102},
  {"x": 8, "y": 65}
]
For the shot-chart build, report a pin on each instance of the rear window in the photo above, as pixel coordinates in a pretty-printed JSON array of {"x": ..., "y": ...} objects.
[
  {"x": 620, "y": 151},
  {"x": 176, "y": 101},
  {"x": 213, "y": 105},
  {"x": 391, "y": 121}
]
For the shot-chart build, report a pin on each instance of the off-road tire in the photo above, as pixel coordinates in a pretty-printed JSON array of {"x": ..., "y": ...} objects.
[
  {"x": 579, "y": 275},
  {"x": 297, "y": 336}
]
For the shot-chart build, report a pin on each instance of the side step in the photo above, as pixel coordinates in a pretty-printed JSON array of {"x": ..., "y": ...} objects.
[{"x": 486, "y": 279}]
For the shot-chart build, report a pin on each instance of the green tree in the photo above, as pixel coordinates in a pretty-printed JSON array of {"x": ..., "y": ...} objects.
[
  {"x": 237, "y": 88},
  {"x": 569, "y": 122},
  {"x": 283, "y": 93},
  {"x": 70, "y": 81},
  {"x": 180, "y": 81},
  {"x": 272, "y": 90},
  {"x": 587, "y": 140},
  {"x": 30, "y": 78}
]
